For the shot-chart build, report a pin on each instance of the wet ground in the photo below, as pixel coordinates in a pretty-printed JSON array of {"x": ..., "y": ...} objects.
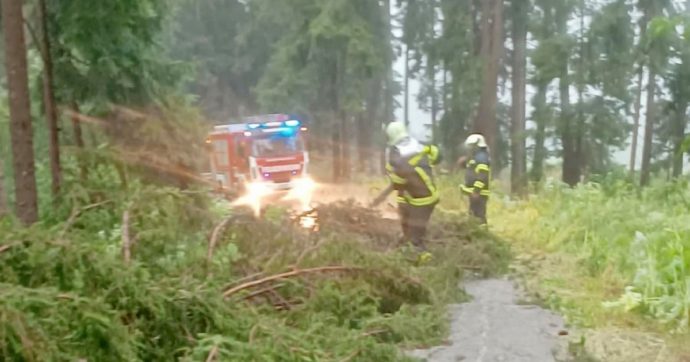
[{"x": 494, "y": 326}]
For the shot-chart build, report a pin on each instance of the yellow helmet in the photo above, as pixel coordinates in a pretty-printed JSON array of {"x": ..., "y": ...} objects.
[
  {"x": 475, "y": 140},
  {"x": 396, "y": 131}
]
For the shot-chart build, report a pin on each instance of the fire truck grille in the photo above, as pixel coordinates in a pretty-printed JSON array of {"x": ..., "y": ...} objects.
[{"x": 281, "y": 177}]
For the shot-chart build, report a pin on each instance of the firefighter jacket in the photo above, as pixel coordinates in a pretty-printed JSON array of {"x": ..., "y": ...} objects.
[
  {"x": 478, "y": 173},
  {"x": 409, "y": 167}
]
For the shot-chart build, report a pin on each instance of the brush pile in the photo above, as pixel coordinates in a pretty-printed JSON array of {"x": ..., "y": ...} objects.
[{"x": 196, "y": 286}]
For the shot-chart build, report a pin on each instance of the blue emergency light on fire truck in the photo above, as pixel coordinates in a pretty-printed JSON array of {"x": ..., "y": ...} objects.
[{"x": 268, "y": 149}]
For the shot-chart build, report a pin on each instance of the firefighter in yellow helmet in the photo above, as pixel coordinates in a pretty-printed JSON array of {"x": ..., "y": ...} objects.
[
  {"x": 409, "y": 167},
  {"x": 477, "y": 175}
]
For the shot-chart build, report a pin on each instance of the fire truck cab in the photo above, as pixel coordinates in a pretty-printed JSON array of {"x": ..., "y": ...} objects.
[{"x": 268, "y": 150}]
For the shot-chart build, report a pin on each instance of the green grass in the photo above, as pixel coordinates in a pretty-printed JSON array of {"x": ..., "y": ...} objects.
[{"x": 604, "y": 255}]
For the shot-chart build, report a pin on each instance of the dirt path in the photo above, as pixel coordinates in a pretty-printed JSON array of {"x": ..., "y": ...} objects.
[{"x": 495, "y": 327}]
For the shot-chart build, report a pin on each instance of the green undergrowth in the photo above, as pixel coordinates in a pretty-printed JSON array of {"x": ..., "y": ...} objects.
[
  {"x": 68, "y": 292},
  {"x": 605, "y": 254}
]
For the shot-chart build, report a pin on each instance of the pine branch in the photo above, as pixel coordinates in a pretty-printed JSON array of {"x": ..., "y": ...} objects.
[
  {"x": 214, "y": 238},
  {"x": 291, "y": 274}
]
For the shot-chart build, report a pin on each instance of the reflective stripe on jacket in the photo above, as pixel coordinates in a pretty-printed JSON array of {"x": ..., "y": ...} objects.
[
  {"x": 478, "y": 174},
  {"x": 409, "y": 169}
]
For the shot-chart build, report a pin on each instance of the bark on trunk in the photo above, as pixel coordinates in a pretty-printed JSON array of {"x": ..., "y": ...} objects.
[
  {"x": 337, "y": 153},
  {"x": 20, "y": 124},
  {"x": 648, "y": 129},
  {"x": 570, "y": 168},
  {"x": 491, "y": 49},
  {"x": 367, "y": 124},
  {"x": 337, "y": 136},
  {"x": 517, "y": 132},
  {"x": 4, "y": 210},
  {"x": 432, "y": 74},
  {"x": 570, "y": 165},
  {"x": 79, "y": 141},
  {"x": 678, "y": 138},
  {"x": 49, "y": 102},
  {"x": 362, "y": 144},
  {"x": 434, "y": 103},
  {"x": 681, "y": 124},
  {"x": 636, "y": 122},
  {"x": 477, "y": 24},
  {"x": 388, "y": 104},
  {"x": 580, "y": 154},
  {"x": 407, "y": 86},
  {"x": 540, "y": 136},
  {"x": 345, "y": 146}
]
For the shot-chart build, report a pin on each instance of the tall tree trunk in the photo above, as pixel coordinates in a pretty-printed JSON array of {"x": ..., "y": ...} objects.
[
  {"x": 432, "y": 73},
  {"x": 337, "y": 135},
  {"x": 337, "y": 151},
  {"x": 570, "y": 169},
  {"x": 389, "y": 83},
  {"x": 492, "y": 46},
  {"x": 681, "y": 123},
  {"x": 49, "y": 101},
  {"x": 648, "y": 128},
  {"x": 346, "y": 141},
  {"x": 678, "y": 138},
  {"x": 636, "y": 121},
  {"x": 540, "y": 135},
  {"x": 362, "y": 143},
  {"x": 478, "y": 24},
  {"x": 368, "y": 123},
  {"x": 581, "y": 157},
  {"x": 79, "y": 141},
  {"x": 444, "y": 91},
  {"x": 519, "y": 80},
  {"x": 20, "y": 112},
  {"x": 388, "y": 104},
  {"x": 406, "y": 116},
  {"x": 570, "y": 164},
  {"x": 434, "y": 106},
  {"x": 4, "y": 209}
]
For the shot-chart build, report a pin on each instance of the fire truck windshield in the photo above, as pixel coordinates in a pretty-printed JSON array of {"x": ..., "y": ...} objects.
[{"x": 277, "y": 145}]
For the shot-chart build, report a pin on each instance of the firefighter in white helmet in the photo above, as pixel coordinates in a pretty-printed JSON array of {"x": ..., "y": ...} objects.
[
  {"x": 477, "y": 175},
  {"x": 409, "y": 167}
]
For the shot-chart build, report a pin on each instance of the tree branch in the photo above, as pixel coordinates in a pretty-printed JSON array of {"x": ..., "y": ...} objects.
[
  {"x": 126, "y": 239},
  {"x": 294, "y": 273},
  {"x": 34, "y": 39},
  {"x": 214, "y": 238},
  {"x": 76, "y": 212},
  {"x": 212, "y": 355}
]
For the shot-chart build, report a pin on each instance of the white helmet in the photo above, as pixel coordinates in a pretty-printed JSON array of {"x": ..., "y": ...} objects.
[
  {"x": 396, "y": 132},
  {"x": 475, "y": 140}
]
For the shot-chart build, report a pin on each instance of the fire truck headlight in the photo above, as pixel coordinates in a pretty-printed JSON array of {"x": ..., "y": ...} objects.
[
  {"x": 305, "y": 184},
  {"x": 257, "y": 189}
]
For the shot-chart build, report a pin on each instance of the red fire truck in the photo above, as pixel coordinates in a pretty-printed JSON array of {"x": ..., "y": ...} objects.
[{"x": 267, "y": 150}]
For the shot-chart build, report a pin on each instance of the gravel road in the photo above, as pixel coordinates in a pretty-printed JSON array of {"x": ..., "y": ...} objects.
[{"x": 495, "y": 327}]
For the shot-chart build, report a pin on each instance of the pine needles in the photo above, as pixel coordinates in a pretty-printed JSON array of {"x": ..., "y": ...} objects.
[{"x": 265, "y": 290}]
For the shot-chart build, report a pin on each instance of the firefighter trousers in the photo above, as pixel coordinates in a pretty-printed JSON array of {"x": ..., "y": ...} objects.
[
  {"x": 414, "y": 220},
  {"x": 478, "y": 208}
]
